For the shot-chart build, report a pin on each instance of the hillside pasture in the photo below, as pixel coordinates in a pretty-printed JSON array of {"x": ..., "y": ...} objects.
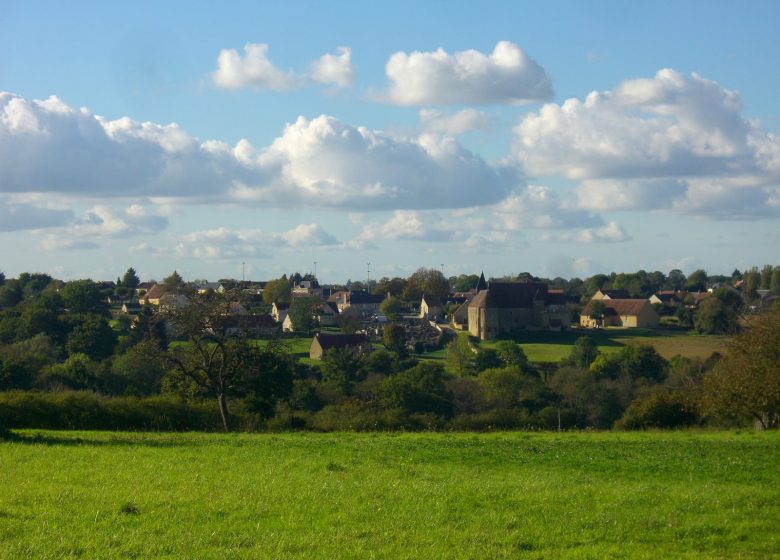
[
  {"x": 502, "y": 495},
  {"x": 546, "y": 346}
]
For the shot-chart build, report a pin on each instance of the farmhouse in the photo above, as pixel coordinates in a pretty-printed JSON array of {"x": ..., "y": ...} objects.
[
  {"x": 328, "y": 314},
  {"x": 279, "y": 311},
  {"x": 611, "y": 294},
  {"x": 430, "y": 308},
  {"x": 665, "y": 297},
  {"x": 362, "y": 304},
  {"x": 152, "y": 297},
  {"x": 322, "y": 342},
  {"x": 621, "y": 313},
  {"x": 508, "y": 306}
]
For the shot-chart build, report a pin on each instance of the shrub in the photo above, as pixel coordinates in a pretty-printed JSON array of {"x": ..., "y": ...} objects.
[
  {"x": 76, "y": 410},
  {"x": 659, "y": 410}
]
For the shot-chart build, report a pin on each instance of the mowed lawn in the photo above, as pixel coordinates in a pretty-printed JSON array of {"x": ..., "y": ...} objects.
[
  {"x": 503, "y": 495},
  {"x": 545, "y": 346}
]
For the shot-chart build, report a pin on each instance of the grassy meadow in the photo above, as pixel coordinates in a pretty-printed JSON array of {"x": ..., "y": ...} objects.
[
  {"x": 502, "y": 495},
  {"x": 545, "y": 346}
]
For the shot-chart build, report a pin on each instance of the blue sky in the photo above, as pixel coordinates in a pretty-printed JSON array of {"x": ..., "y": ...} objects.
[{"x": 560, "y": 138}]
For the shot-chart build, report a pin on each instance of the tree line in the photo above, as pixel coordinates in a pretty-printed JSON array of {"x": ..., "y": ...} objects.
[{"x": 60, "y": 337}]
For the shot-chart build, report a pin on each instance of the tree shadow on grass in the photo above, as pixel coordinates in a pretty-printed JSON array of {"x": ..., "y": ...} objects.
[{"x": 602, "y": 337}]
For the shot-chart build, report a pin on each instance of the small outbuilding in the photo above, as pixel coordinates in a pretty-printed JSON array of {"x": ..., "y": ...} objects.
[{"x": 322, "y": 342}]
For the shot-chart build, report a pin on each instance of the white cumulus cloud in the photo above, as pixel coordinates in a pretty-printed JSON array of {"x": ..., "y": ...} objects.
[
  {"x": 651, "y": 143},
  {"x": 255, "y": 70},
  {"x": 49, "y": 147},
  {"x": 505, "y": 76},
  {"x": 336, "y": 69},
  {"x": 327, "y": 163},
  {"x": 538, "y": 206}
]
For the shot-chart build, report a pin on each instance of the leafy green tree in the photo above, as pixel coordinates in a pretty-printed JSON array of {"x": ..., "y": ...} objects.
[
  {"x": 502, "y": 387},
  {"x": 10, "y": 293},
  {"x": 640, "y": 361},
  {"x": 269, "y": 379},
  {"x": 428, "y": 281},
  {"x": 419, "y": 390},
  {"x": 78, "y": 371},
  {"x": 130, "y": 280},
  {"x": 83, "y": 296},
  {"x": 511, "y": 354},
  {"x": 745, "y": 383},
  {"x": 774, "y": 281},
  {"x": 342, "y": 368},
  {"x": 392, "y": 307},
  {"x": 93, "y": 337},
  {"x": 380, "y": 362},
  {"x": 21, "y": 362},
  {"x": 277, "y": 291},
  {"x": 2, "y": 278},
  {"x": 9, "y": 326},
  {"x": 597, "y": 311},
  {"x": 696, "y": 281},
  {"x": 595, "y": 283},
  {"x": 583, "y": 353},
  {"x": 766, "y": 276},
  {"x": 659, "y": 409},
  {"x": 139, "y": 371},
  {"x": 37, "y": 318},
  {"x": 458, "y": 357},
  {"x": 394, "y": 338},
  {"x": 149, "y": 326},
  {"x": 675, "y": 280},
  {"x": 302, "y": 313},
  {"x": 752, "y": 283},
  {"x": 173, "y": 284},
  {"x": 487, "y": 358},
  {"x": 464, "y": 282},
  {"x": 719, "y": 314},
  {"x": 394, "y": 287},
  {"x": 15, "y": 373},
  {"x": 33, "y": 284}
]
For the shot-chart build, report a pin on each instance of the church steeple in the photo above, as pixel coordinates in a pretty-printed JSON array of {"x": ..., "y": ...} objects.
[{"x": 481, "y": 284}]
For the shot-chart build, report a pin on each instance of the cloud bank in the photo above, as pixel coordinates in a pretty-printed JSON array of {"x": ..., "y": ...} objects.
[
  {"x": 669, "y": 141},
  {"x": 49, "y": 147}
]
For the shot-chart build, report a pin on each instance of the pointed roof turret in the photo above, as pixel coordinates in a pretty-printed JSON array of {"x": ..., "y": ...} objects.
[{"x": 481, "y": 284}]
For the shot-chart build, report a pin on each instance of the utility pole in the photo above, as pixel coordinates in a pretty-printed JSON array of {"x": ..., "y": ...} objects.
[
  {"x": 243, "y": 270},
  {"x": 315, "y": 269},
  {"x": 368, "y": 277},
  {"x": 442, "y": 269}
]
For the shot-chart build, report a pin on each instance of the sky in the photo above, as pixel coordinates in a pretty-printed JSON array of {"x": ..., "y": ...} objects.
[{"x": 259, "y": 138}]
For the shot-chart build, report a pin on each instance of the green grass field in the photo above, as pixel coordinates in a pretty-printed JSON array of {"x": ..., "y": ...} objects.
[
  {"x": 518, "y": 495},
  {"x": 545, "y": 346}
]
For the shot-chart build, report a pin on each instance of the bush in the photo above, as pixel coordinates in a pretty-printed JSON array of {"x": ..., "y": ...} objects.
[
  {"x": 76, "y": 410},
  {"x": 659, "y": 410}
]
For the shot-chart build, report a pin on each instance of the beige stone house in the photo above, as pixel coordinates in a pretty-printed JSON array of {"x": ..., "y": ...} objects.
[
  {"x": 621, "y": 313},
  {"x": 430, "y": 308},
  {"x": 322, "y": 342}
]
